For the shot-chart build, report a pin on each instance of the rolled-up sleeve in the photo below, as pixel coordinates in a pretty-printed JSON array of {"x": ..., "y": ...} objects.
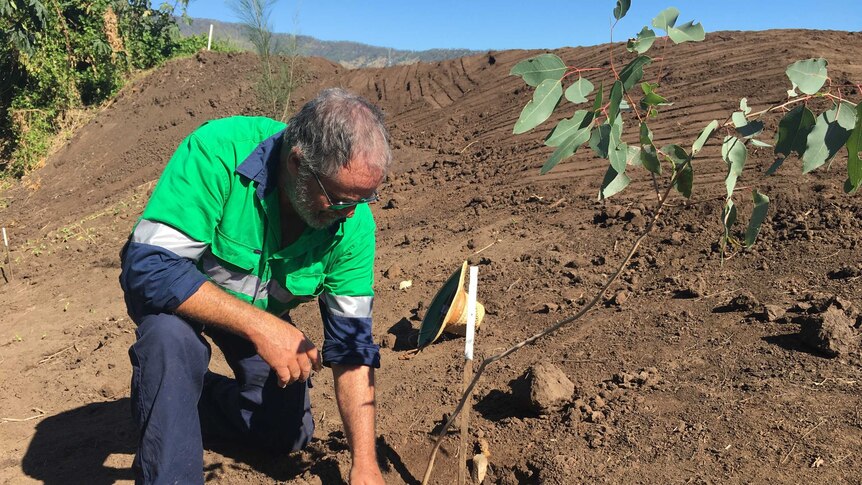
[
  {"x": 158, "y": 279},
  {"x": 347, "y": 302},
  {"x": 347, "y": 337}
]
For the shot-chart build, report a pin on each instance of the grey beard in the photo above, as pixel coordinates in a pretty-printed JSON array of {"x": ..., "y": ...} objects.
[{"x": 300, "y": 199}]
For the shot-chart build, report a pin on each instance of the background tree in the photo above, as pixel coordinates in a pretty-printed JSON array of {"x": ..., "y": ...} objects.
[{"x": 59, "y": 55}]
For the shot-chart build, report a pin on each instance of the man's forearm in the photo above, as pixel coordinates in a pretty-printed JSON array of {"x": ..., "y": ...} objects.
[
  {"x": 287, "y": 350},
  {"x": 354, "y": 391},
  {"x": 212, "y": 306}
]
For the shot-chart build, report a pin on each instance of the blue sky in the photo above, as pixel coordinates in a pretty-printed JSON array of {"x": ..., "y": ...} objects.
[{"x": 527, "y": 24}]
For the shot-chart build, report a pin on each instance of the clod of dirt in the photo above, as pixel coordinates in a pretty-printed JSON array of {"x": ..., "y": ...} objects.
[
  {"x": 545, "y": 308},
  {"x": 619, "y": 298},
  {"x": 388, "y": 341},
  {"x": 392, "y": 204},
  {"x": 744, "y": 302},
  {"x": 393, "y": 271},
  {"x": 691, "y": 287},
  {"x": 648, "y": 377},
  {"x": 545, "y": 387},
  {"x": 578, "y": 261},
  {"x": 771, "y": 313},
  {"x": 845, "y": 272},
  {"x": 830, "y": 333}
]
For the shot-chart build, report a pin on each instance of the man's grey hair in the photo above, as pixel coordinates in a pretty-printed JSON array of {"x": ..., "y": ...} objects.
[{"x": 336, "y": 127}]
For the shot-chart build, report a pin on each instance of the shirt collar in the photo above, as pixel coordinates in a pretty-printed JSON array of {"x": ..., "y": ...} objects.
[{"x": 261, "y": 165}]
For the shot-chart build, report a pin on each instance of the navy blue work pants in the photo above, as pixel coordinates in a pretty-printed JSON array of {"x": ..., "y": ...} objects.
[{"x": 175, "y": 399}]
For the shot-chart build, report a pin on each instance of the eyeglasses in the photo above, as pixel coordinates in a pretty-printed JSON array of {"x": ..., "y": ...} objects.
[{"x": 344, "y": 204}]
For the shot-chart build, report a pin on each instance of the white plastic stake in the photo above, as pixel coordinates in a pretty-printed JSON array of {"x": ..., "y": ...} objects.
[
  {"x": 471, "y": 312},
  {"x": 468, "y": 371},
  {"x": 210, "y": 40},
  {"x": 7, "y": 262}
]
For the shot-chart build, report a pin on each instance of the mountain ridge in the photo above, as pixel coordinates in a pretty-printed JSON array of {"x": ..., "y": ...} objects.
[{"x": 347, "y": 53}]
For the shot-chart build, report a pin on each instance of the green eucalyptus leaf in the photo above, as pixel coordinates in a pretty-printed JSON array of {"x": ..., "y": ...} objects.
[
  {"x": 760, "y": 144},
  {"x": 622, "y": 8},
  {"x": 703, "y": 137},
  {"x": 606, "y": 137},
  {"x": 758, "y": 214},
  {"x": 538, "y": 110},
  {"x": 687, "y": 32},
  {"x": 600, "y": 95},
  {"x": 808, "y": 75},
  {"x": 675, "y": 154},
  {"x": 728, "y": 216},
  {"x": 537, "y": 69},
  {"x": 684, "y": 175},
  {"x": 684, "y": 179},
  {"x": 567, "y": 127},
  {"x": 734, "y": 154},
  {"x": 633, "y": 157},
  {"x": 743, "y": 106},
  {"x": 666, "y": 19},
  {"x": 854, "y": 146},
  {"x": 793, "y": 131},
  {"x": 845, "y": 115},
  {"x": 728, "y": 219},
  {"x": 648, "y": 156},
  {"x": 738, "y": 118},
  {"x": 633, "y": 72},
  {"x": 578, "y": 91},
  {"x": 649, "y": 159},
  {"x": 613, "y": 183},
  {"x": 645, "y": 134},
  {"x": 619, "y": 157},
  {"x": 651, "y": 98},
  {"x": 600, "y": 140},
  {"x": 615, "y": 98},
  {"x": 830, "y": 133},
  {"x": 750, "y": 129},
  {"x": 567, "y": 148},
  {"x": 642, "y": 43}
]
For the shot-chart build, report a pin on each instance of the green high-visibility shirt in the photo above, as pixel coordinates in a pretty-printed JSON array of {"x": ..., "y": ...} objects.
[{"x": 214, "y": 215}]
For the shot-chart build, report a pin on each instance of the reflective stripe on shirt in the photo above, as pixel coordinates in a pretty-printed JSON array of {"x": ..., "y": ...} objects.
[
  {"x": 235, "y": 281},
  {"x": 163, "y": 235},
  {"x": 349, "y": 306}
]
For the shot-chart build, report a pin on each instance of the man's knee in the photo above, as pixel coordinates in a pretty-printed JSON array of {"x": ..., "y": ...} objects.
[
  {"x": 169, "y": 340},
  {"x": 281, "y": 439}
]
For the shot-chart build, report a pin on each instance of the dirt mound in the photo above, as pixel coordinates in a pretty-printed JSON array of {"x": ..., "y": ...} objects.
[{"x": 675, "y": 378}]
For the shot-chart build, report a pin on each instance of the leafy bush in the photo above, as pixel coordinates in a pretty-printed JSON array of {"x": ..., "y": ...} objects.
[
  {"x": 192, "y": 44},
  {"x": 65, "y": 54}
]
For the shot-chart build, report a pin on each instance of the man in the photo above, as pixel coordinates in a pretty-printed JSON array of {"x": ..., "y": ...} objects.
[{"x": 248, "y": 220}]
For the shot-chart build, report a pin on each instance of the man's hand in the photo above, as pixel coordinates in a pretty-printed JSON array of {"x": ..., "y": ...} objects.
[
  {"x": 287, "y": 350},
  {"x": 366, "y": 475}
]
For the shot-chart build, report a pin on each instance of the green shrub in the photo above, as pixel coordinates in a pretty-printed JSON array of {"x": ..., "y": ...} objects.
[{"x": 66, "y": 54}]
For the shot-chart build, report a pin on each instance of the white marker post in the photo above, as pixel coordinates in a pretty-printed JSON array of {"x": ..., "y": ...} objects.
[
  {"x": 210, "y": 40},
  {"x": 8, "y": 262},
  {"x": 468, "y": 371}
]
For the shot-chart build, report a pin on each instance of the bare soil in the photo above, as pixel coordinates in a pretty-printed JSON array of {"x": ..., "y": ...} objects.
[{"x": 690, "y": 371}]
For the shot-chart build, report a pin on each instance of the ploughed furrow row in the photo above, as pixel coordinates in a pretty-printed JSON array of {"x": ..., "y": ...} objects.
[{"x": 705, "y": 82}]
